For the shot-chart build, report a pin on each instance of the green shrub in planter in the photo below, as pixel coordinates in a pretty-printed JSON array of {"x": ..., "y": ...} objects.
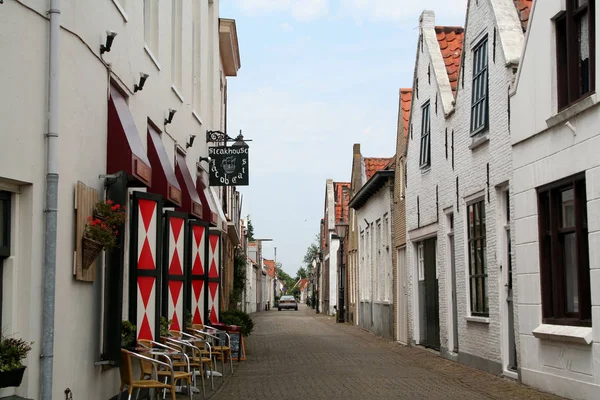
[
  {"x": 12, "y": 352},
  {"x": 127, "y": 334},
  {"x": 239, "y": 318}
]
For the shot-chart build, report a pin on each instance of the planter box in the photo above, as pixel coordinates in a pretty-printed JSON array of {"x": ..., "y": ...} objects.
[{"x": 12, "y": 378}]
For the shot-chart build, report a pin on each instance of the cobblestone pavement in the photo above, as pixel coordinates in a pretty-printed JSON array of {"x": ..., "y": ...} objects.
[{"x": 301, "y": 355}]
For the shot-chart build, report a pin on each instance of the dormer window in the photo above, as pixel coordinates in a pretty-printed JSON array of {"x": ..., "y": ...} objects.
[{"x": 575, "y": 55}]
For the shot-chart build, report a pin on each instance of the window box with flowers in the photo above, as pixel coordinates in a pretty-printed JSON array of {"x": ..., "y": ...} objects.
[{"x": 101, "y": 230}]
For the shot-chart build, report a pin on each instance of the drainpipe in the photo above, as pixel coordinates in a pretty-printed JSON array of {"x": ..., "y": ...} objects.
[{"x": 51, "y": 210}]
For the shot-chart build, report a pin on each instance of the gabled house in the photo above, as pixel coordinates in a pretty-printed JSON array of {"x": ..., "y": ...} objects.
[
  {"x": 302, "y": 284},
  {"x": 363, "y": 169},
  {"x": 335, "y": 212},
  {"x": 475, "y": 232},
  {"x": 430, "y": 177},
  {"x": 555, "y": 200},
  {"x": 373, "y": 214},
  {"x": 459, "y": 241},
  {"x": 271, "y": 281},
  {"x": 400, "y": 293}
]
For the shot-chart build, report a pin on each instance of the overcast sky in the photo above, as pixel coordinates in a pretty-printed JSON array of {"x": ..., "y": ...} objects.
[{"x": 316, "y": 77}]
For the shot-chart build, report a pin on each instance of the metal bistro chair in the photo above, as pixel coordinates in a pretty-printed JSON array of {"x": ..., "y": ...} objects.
[
  {"x": 196, "y": 361},
  {"x": 128, "y": 382},
  {"x": 221, "y": 345},
  {"x": 182, "y": 360}
]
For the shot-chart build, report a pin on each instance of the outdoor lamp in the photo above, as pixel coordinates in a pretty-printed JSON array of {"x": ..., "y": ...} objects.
[
  {"x": 207, "y": 159},
  {"x": 169, "y": 119},
  {"x": 110, "y": 36},
  {"x": 190, "y": 141},
  {"x": 140, "y": 86},
  {"x": 341, "y": 230}
]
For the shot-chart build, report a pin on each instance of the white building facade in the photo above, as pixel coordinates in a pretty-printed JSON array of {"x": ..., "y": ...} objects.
[
  {"x": 458, "y": 185},
  {"x": 177, "y": 45},
  {"x": 373, "y": 207},
  {"x": 556, "y": 200}
]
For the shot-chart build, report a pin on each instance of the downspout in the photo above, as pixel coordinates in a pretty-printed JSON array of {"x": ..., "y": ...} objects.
[{"x": 51, "y": 210}]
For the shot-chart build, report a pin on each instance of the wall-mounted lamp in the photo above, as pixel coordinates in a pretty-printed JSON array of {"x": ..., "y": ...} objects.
[
  {"x": 169, "y": 119},
  {"x": 190, "y": 141},
  {"x": 110, "y": 36},
  {"x": 207, "y": 159},
  {"x": 140, "y": 86}
]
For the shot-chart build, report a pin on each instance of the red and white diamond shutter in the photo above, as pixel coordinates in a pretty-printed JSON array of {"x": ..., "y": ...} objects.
[
  {"x": 198, "y": 245},
  {"x": 145, "y": 253},
  {"x": 175, "y": 249},
  {"x": 214, "y": 262}
]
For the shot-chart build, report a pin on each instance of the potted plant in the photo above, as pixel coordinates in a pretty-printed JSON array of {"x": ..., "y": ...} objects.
[
  {"x": 165, "y": 324},
  {"x": 101, "y": 230},
  {"x": 12, "y": 352},
  {"x": 128, "y": 331}
]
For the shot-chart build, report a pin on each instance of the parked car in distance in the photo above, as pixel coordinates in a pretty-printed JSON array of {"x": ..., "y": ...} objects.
[{"x": 287, "y": 302}]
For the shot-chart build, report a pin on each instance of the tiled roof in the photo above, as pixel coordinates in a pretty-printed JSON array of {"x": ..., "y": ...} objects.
[
  {"x": 302, "y": 283},
  {"x": 523, "y": 8},
  {"x": 405, "y": 102},
  {"x": 342, "y": 198},
  {"x": 373, "y": 165},
  {"x": 451, "y": 39},
  {"x": 270, "y": 265}
]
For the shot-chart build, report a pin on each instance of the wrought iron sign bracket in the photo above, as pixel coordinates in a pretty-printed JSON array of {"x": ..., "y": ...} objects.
[{"x": 217, "y": 136}]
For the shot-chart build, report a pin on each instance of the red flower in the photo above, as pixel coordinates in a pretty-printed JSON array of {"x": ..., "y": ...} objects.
[
  {"x": 109, "y": 202},
  {"x": 90, "y": 219}
]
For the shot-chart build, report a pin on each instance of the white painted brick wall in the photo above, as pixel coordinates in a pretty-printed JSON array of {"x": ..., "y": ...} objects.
[
  {"x": 543, "y": 155},
  {"x": 470, "y": 166}
]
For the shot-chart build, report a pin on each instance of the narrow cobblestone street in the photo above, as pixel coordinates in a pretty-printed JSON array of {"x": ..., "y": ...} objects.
[{"x": 299, "y": 355}]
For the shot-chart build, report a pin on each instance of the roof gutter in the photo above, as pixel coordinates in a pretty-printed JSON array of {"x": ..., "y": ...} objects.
[{"x": 369, "y": 188}]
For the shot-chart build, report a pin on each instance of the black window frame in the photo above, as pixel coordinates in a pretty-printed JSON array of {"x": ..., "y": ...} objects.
[
  {"x": 569, "y": 76},
  {"x": 425, "y": 148},
  {"x": 478, "y": 274},
  {"x": 6, "y": 198},
  {"x": 551, "y": 248},
  {"x": 480, "y": 108}
]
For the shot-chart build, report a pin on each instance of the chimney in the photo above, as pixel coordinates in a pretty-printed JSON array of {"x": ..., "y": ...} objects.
[{"x": 356, "y": 148}]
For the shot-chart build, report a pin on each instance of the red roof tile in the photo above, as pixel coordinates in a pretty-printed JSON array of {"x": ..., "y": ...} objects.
[
  {"x": 342, "y": 198},
  {"x": 523, "y": 8},
  {"x": 373, "y": 165},
  {"x": 302, "y": 283},
  {"x": 405, "y": 102},
  {"x": 451, "y": 39},
  {"x": 270, "y": 265}
]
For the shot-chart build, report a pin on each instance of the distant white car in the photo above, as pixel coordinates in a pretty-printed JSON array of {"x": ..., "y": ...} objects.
[{"x": 287, "y": 302}]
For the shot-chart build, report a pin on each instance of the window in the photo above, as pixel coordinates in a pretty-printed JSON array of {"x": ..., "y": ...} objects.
[
  {"x": 479, "y": 92},
  {"x": 176, "y": 42},
  {"x": 565, "y": 268},
  {"x": 421, "y": 262},
  {"x": 425, "y": 159},
  {"x": 477, "y": 259},
  {"x": 575, "y": 55},
  {"x": 4, "y": 238},
  {"x": 151, "y": 26}
]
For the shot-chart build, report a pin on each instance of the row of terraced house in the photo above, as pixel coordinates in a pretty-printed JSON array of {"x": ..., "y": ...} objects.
[{"x": 480, "y": 237}]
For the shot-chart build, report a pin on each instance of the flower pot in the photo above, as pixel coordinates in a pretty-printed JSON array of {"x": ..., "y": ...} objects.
[
  {"x": 11, "y": 378},
  {"x": 91, "y": 251}
]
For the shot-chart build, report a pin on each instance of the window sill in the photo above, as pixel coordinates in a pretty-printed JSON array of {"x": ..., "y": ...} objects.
[
  {"x": 570, "y": 112},
  {"x": 480, "y": 320},
  {"x": 154, "y": 60},
  {"x": 197, "y": 117},
  {"x": 479, "y": 141},
  {"x": 177, "y": 93},
  {"x": 564, "y": 333},
  {"x": 121, "y": 10},
  {"x": 425, "y": 170}
]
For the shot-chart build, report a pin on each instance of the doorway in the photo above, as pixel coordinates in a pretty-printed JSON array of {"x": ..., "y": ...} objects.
[
  {"x": 453, "y": 342},
  {"x": 429, "y": 294},
  {"x": 509, "y": 316}
]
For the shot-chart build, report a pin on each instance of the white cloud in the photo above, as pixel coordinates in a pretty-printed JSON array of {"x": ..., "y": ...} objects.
[
  {"x": 286, "y": 27},
  {"x": 301, "y": 10}
]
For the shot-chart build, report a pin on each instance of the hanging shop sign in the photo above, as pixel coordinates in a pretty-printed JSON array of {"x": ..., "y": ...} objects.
[{"x": 228, "y": 165}]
